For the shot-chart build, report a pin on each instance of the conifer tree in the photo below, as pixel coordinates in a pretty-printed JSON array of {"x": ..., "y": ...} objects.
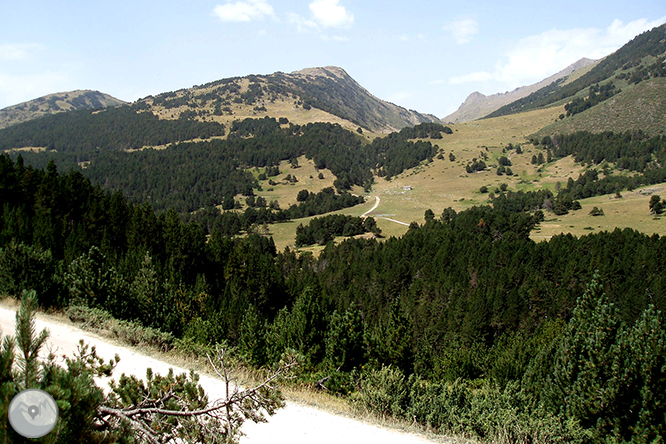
[{"x": 161, "y": 409}]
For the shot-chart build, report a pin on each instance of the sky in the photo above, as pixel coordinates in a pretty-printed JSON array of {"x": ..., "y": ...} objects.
[{"x": 421, "y": 54}]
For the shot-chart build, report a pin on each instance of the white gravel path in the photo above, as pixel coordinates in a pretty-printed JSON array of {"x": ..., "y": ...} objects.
[{"x": 293, "y": 424}]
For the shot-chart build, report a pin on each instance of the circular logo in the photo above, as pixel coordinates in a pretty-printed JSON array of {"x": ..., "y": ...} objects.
[{"x": 33, "y": 413}]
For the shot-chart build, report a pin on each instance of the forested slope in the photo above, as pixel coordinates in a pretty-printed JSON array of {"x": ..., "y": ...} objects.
[
  {"x": 188, "y": 176},
  {"x": 463, "y": 324}
]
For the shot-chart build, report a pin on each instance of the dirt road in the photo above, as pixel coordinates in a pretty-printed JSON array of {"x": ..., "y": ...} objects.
[
  {"x": 294, "y": 424},
  {"x": 377, "y": 201}
]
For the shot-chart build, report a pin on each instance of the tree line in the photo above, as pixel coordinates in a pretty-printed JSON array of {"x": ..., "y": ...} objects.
[
  {"x": 465, "y": 301},
  {"x": 322, "y": 230},
  {"x": 119, "y": 128},
  {"x": 457, "y": 316},
  {"x": 188, "y": 176}
]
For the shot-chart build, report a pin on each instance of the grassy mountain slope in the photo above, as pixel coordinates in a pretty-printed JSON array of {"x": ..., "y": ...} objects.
[
  {"x": 478, "y": 105},
  {"x": 326, "y": 94},
  {"x": 641, "y": 107},
  {"x": 639, "y": 52},
  {"x": 56, "y": 103},
  {"x": 444, "y": 183}
]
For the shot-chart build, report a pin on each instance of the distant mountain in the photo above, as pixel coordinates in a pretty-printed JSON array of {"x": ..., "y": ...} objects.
[
  {"x": 325, "y": 94},
  {"x": 640, "y": 59},
  {"x": 56, "y": 103},
  {"x": 478, "y": 105}
]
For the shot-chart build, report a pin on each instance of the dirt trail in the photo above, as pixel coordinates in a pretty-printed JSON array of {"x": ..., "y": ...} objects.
[
  {"x": 293, "y": 424},
  {"x": 382, "y": 217},
  {"x": 377, "y": 200}
]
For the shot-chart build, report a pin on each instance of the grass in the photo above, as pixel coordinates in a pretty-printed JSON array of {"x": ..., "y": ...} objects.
[
  {"x": 282, "y": 106},
  {"x": 631, "y": 211},
  {"x": 441, "y": 183},
  {"x": 637, "y": 106}
]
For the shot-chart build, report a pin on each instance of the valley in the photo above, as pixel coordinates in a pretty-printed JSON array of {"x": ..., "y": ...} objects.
[{"x": 494, "y": 280}]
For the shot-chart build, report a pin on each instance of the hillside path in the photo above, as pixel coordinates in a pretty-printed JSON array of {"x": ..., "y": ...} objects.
[
  {"x": 377, "y": 200},
  {"x": 294, "y": 424}
]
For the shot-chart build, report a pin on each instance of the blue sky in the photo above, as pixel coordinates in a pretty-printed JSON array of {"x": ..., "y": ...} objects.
[{"x": 423, "y": 55}]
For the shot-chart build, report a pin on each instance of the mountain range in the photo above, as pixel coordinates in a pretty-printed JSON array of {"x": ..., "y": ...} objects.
[{"x": 603, "y": 95}]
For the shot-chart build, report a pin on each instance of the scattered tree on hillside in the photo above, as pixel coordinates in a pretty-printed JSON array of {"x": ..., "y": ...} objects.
[{"x": 656, "y": 205}]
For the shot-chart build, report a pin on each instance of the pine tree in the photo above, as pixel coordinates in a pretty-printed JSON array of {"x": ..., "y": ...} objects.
[
  {"x": 344, "y": 341},
  {"x": 169, "y": 408},
  {"x": 609, "y": 377}
]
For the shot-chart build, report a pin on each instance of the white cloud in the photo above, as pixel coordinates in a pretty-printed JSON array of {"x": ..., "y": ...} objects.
[
  {"x": 301, "y": 23},
  {"x": 539, "y": 56},
  {"x": 243, "y": 11},
  {"x": 462, "y": 30},
  {"x": 17, "y": 51},
  {"x": 330, "y": 14}
]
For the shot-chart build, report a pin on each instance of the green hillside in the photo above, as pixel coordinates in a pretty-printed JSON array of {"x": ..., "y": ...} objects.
[
  {"x": 630, "y": 58},
  {"x": 642, "y": 106}
]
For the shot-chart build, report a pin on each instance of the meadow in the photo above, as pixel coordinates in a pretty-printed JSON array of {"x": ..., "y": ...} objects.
[{"x": 443, "y": 183}]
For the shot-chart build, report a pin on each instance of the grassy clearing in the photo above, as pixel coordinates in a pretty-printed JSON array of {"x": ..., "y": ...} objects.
[
  {"x": 442, "y": 183},
  {"x": 631, "y": 211},
  {"x": 285, "y": 192}
]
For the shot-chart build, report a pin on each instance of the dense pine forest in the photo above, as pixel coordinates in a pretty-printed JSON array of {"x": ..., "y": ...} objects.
[
  {"x": 463, "y": 325},
  {"x": 188, "y": 176}
]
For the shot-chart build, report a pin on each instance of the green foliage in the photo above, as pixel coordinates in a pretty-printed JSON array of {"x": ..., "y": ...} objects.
[
  {"x": 475, "y": 165},
  {"x": 656, "y": 205},
  {"x": 113, "y": 128},
  {"x": 252, "y": 342},
  {"x": 385, "y": 391},
  {"x": 345, "y": 347},
  {"x": 187, "y": 175},
  {"x": 28, "y": 366},
  {"x": 467, "y": 304},
  {"x": 606, "y": 375},
  {"x": 464, "y": 409},
  {"x": 30, "y": 268},
  {"x": 322, "y": 230},
  {"x": 303, "y": 329},
  {"x": 597, "y": 94},
  {"x": 425, "y": 131}
]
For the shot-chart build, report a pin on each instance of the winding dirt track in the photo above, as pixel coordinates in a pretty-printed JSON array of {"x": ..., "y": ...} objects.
[
  {"x": 383, "y": 217},
  {"x": 377, "y": 200},
  {"x": 295, "y": 424}
]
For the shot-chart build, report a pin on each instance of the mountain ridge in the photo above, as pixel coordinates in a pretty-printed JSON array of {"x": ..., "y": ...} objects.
[
  {"x": 313, "y": 94},
  {"x": 56, "y": 103},
  {"x": 478, "y": 105}
]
